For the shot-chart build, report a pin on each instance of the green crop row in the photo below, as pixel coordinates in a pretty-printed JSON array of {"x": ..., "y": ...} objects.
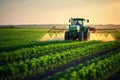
[
  {"x": 30, "y": 45},
  {"x": 37, "y": 51},
  {"x": 97, "y": 69},
  {"x": 50, "y": 62}
]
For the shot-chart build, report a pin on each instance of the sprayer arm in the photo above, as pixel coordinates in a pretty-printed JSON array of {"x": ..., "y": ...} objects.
[{"x": 92, "y": 29}]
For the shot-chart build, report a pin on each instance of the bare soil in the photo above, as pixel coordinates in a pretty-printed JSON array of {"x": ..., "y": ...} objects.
[{"x": 116, "y": 76}]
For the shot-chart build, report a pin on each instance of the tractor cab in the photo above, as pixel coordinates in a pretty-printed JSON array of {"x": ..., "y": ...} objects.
[
  {"x": 77, "y": 21},
  {"x": 76, "y": 24},
  {"x": 77, "y": 30}
]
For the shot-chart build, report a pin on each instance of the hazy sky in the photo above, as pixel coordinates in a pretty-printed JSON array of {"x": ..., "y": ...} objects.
[{"x": 59, "y": 11}]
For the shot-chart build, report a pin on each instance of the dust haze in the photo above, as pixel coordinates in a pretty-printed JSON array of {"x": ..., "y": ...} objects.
[{"x": 93, "y": 36}]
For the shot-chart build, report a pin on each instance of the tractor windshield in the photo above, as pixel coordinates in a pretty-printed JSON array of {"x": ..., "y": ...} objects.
[{"x": 78, "y": 22}]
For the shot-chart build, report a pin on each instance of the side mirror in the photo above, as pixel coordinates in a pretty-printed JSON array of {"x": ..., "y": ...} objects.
[
  {"x": 69, "y": 20},
  {"x": 69, "y": 25},
  {"x": 87, "y": 21}
]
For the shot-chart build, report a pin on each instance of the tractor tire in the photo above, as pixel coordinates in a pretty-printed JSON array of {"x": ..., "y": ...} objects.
[
  {"x": 80, "y": 36},
  {"x": 86, "y": 35},
  {"x": 67, "y": 36}
]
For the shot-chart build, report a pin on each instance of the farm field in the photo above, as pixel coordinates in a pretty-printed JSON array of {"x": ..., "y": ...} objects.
[
  {"x": 17, "y": 36},
  {"x": 24, "y": 57}
]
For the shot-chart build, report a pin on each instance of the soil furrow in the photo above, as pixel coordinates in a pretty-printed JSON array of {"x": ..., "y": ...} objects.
[{"x": 68, "y": 65}]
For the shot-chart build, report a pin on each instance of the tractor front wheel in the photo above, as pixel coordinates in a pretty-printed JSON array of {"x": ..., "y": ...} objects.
[
  {"x": 87, "y": 35},
  {"x": 80, "y": 36}
]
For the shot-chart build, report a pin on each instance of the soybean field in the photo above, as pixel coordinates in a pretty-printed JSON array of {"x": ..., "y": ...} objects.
[{"x": 24, "y": 57}]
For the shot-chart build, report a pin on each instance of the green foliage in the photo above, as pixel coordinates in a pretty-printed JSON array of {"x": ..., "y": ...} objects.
[
  {"x": 97, "y": 69},
  {"x": 50, "y": 62},
  {"x": 38, "y": 51}
]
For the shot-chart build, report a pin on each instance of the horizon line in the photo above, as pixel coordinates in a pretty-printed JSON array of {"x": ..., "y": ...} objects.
[{"x": 55, "y": 24}]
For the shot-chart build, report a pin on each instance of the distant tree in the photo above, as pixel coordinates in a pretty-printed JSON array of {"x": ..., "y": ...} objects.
[
  {"x": 11, "y": 26},
  {"x": 53, "y": 27}
]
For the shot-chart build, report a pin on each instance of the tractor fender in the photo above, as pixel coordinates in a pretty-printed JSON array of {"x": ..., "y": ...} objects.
[{"x": 85, "y": 29}]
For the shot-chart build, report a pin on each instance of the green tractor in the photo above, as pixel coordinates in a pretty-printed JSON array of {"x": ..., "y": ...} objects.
[{"x": 77, "y": 30}]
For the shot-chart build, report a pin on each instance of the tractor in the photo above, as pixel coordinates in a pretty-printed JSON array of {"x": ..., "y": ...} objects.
[{"x": 77, "y": 30}]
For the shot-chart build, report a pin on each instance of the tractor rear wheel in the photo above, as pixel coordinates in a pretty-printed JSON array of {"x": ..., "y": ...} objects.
[
  {"x": 87, "y": 35},
  {"x": 80, "y": 36},
  {"x": 67, "y": 36}
]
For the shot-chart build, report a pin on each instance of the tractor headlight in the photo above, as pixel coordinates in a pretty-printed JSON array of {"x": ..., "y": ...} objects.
[{"x": 78, "y": 28}]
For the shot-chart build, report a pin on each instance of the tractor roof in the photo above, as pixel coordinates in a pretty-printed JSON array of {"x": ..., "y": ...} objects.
[{"x": 78, "y": 19}]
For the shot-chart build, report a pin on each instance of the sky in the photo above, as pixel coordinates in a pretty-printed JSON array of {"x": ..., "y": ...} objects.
[{"x": 59, "y": 11}]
